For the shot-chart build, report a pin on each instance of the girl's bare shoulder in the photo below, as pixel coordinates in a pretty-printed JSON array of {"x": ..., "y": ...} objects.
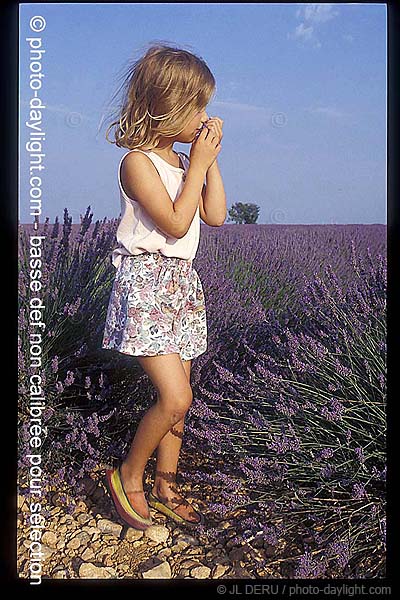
[{"x": 137, "y": 166}]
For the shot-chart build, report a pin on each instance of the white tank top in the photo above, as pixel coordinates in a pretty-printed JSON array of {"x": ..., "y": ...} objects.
[{"x": 137, "y": 233}]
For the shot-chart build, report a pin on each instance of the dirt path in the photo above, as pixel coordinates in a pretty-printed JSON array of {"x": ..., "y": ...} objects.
[{"x": 94, "y": 543}]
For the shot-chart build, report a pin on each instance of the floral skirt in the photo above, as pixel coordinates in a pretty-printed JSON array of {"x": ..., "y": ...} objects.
[{"x": 157, "y": 306}]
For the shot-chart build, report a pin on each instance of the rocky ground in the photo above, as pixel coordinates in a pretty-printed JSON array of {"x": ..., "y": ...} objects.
[{"x": 94, "y": 543}]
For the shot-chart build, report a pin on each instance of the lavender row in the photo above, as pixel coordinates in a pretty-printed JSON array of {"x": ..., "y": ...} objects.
[{"x": 288, "y": 420}]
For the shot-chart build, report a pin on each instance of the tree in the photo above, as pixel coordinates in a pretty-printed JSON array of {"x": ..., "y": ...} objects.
[{"x": 244, "y": 213}]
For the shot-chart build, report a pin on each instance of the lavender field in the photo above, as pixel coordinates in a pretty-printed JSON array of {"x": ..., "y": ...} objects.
[{"x": 287, "y": 428}]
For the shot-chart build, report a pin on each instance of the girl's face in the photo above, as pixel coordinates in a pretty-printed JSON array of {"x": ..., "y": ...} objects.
[{"x": 191, "y": 130}]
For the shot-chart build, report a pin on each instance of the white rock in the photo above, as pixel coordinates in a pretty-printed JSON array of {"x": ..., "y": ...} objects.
[
  {"x": 107, "y": 526},
  {"x": 161, "y": 571},
  {"x": 83, "y": 518},
  {"x": 88, "y": 554},
  {"x": 133, "y": 534},
  {"x": 190, "y": 563},
  {"x": 185, "y": 538},
  {"x": 60, "y": 573},
  {"x": 90, "y": 571},
  {"x": 157, "y": 533},
  {"x": 218, "y": 571},
  {"x": 47, "y": 552},
  {"x": 74, "y": 544},
  {"x": 94, "y": 532},
  {"x": 83, "y": 537},
  {"x": 50, "y": 539},
  {"x": 200, "y": 572}
]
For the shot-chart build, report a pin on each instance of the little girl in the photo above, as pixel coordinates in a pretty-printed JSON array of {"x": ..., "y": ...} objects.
[{"x": 157, "y": 310}]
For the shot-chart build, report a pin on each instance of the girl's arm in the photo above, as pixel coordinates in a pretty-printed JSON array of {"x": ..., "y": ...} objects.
[
  {"x": 142, "y": 182},
  {"x": 212, "y": 204}
]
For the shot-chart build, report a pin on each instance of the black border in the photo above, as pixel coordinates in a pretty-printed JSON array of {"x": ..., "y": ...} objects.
[{"x": 9, "y": 40}]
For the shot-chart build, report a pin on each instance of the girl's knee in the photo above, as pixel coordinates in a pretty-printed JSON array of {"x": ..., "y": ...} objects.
[{"x": 177, "y": 406}]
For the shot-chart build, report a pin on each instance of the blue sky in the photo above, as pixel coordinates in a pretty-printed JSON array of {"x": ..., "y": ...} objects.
[{"x": 301, "y": 89}]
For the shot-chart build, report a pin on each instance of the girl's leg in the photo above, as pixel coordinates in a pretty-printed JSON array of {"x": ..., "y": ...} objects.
[
  {"x": 167, "y": 457},
  {"x": 169, "y": 448},
  {"x": 167, "y": 465},
  {"x": 174, "y": 397}
]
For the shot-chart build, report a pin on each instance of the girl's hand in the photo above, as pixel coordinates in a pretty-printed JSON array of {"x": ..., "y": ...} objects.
[
  {"x": 206, "y": 147},
  {"x": 214, "y": 124}
]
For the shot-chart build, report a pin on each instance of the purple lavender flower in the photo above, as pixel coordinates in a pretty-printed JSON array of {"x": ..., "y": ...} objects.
[
  {"x": 360, "y": 455},
  {"x": 358, "y": 491},
  {"x": 340, "y": 550},
  {"x": 310, "y": 567},
  {"x": 287, "y": 406},
  {"x": 327, "y": 471},
  {"x": 54, "y": 364},
  {"x": 325, "y": 453},
  {"x": 333, "y": 411},
  {"x": 70, "y": 378}
]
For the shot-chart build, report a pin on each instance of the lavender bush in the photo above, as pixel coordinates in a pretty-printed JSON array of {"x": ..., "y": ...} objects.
[
  {"x": 303, "y": 414},
  {"x": 77, "y": 378},
  {"x": 287, "y": 428}
]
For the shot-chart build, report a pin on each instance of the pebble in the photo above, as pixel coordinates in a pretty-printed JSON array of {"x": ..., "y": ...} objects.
[
  {"x": 161, "y": 571},
  {"x": 157, "y": 533},
  {"x": 88, "y": 554},
  {"x": 47, "y": 552},
  {"x": 20, "y": 501},
  {"x": 107, "y": 526},
  {"x": 91, "y": 543},
  {"x": 133, "y": 534},
  {"x": 165, "y": 553},
  {"x": 60, "y": 573},
  {"x": 200, "y": 572},
  {"x": 83, "y": 518},
  {"x": 187, "y": 539},
  {"x": 74, "y": 543},
  {"x": 91, "y": 571},
  {"x": 190, "y": 563},
  {"x": 218, "y": 571},
  {"x": 177, "y": 548},
  {"x": 50, "y": 539},
  {"x": 93, "y": 532}
]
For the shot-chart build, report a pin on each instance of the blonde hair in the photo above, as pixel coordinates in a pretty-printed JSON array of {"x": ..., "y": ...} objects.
[{"x": 161, "y": 91}]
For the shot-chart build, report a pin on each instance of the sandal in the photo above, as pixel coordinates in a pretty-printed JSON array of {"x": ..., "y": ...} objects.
[
  {"x": 121, "y": 501},
  {"x": 156, "y": 503}
]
